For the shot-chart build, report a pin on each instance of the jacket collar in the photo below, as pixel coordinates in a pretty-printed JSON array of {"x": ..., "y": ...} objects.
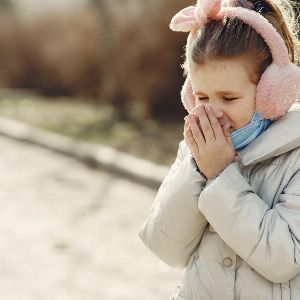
[{"x": 282, "y": 136}]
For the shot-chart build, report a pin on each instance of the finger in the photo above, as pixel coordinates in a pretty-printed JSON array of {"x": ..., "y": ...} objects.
[
  {"x": 205, "y": 125},
  {"x": 195, "y": 108},
  {"x": 197, "y": 133},
  {"x": 215, "y": 124},
  {"x": 223, "y": 120},
  {"x": 197, "y": 119},
  {"x": 185, "y": 123},
  {"x": 219, "y": 114},
  {"x": 190, "y": 141},
  {"x": 194, "y": 112}
]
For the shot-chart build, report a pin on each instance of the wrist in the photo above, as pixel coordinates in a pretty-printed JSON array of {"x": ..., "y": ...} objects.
[
  {"x": 209, "y": 178},
  {"x": 197, "y": 168},
  {"x": 212, "y": 177}
]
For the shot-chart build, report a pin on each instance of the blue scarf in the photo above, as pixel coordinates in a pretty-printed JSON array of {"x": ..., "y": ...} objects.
[{"x": 245, "y": 135}]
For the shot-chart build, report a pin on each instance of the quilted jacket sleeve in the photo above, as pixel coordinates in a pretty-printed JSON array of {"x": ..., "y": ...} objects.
[
  {"x": 266, "y": 238},
  {"x": 175, "y": 225}
]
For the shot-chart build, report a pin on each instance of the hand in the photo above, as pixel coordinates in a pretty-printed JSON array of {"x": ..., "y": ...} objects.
[
  {"x": 210, "y": 144},
  {"x": 223, "y": 120}
]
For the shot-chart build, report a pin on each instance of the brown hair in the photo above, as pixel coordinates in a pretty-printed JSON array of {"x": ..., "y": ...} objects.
[{"x": 232, "y": 38}]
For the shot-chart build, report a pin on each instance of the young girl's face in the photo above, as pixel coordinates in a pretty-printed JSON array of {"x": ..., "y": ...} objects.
[{"x": 225, "y": 85}]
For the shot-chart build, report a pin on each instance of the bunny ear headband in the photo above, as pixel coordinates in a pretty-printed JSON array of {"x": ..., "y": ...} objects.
[{"x": 279, "y": 86}]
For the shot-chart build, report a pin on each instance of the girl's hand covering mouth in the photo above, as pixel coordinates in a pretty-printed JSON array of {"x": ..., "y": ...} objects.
[{"x": 208, "y": 137}]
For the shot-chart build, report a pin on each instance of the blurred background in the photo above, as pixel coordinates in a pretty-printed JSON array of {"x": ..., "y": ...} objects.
[{"x": 105, "y": 72}]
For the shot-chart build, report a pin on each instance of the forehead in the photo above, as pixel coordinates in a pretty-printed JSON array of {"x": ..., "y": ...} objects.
[{"x": 231, "y": 74}]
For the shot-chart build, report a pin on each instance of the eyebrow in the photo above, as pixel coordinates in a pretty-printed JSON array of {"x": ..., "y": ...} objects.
[{"x": 219, "y": 92}]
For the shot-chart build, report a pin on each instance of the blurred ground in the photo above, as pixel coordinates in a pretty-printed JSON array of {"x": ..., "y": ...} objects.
[
  {"x": 70, "y": 233},
  {"x": 155, "y": 140}
]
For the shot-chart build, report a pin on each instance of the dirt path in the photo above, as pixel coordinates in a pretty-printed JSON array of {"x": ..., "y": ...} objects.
[{"x": 70, "y": 233}]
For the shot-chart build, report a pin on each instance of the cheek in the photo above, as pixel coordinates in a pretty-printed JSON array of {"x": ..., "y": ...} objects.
[
  {"x": 246, "y": 119},
  {"x": 242, "y": 116}
]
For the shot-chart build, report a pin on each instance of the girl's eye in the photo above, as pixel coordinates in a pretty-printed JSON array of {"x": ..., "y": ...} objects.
[
  {"x": 230, "y": 99},
  {"x": 227, "y": 99}
]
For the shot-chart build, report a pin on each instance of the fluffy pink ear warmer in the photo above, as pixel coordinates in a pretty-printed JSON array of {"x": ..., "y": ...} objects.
[{"x": 279, "y": 86}]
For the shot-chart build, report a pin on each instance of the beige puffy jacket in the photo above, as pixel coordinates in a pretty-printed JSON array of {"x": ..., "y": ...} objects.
[{"x": 237, "y": 236}]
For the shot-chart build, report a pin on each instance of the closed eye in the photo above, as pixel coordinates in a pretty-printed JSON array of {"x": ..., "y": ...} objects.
[
  {"x": 227, "y": 99},
  {"x": 230, "y": 99}
]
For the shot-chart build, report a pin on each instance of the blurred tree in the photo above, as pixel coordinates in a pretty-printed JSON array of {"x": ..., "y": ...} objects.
[
  {"x": 142, "y": 56},
  {"x": 107, "y": 47},
  {"x": 6, "y": 4},
  {"x": 55, "y": 54}
]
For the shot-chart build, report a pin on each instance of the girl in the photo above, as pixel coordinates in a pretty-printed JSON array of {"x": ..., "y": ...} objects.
[{"x": 228, "y": 211}]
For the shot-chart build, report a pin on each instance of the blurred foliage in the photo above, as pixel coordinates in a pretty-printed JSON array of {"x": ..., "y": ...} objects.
[
  {"x": 143, "y": 55},
  {"x": 6, "y": 4},
  {"x": 121, "y": 52},
  {"x": 54, "y": 54}
]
